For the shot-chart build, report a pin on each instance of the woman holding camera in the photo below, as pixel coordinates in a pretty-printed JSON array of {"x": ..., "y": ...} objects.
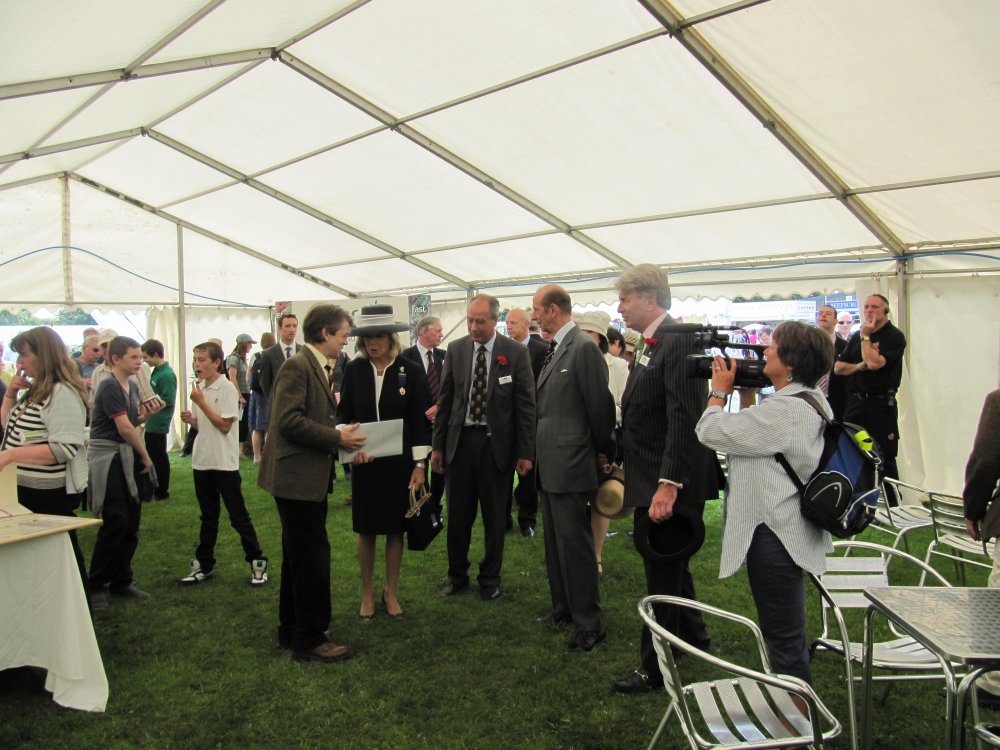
[{"x": 763, "y": 525}]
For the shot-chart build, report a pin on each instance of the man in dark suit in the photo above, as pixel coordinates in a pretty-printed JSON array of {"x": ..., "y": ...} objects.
[
  {"x": 427, "y": 354},
  {"x": 576, "y": 422},
  {"x": 665, "y": 465},
  {"x": 297, "y": 469},
  {"x": 272, "y": 358},
  {"x": 484, "y": 429},
  {"x": 526, "y": 493}
]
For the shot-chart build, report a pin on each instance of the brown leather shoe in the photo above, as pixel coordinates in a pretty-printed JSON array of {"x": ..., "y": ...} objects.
[{"x": 325, "y": 652}]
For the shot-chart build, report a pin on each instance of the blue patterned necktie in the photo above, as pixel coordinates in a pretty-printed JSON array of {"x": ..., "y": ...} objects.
[
  {"x": 478, "y": 406},
  {"x": 548, "y": 354}
]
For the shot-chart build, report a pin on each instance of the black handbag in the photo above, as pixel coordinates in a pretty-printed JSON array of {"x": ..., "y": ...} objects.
[{"x": 423, "y": 520}]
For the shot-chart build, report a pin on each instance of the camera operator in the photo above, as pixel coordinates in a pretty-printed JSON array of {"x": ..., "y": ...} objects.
[
  {"x": 666, "y": 468},
  {"x": 873, "y": 364}
]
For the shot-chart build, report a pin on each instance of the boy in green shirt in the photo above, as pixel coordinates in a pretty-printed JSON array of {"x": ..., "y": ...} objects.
[{"x": 164, "y": 384}]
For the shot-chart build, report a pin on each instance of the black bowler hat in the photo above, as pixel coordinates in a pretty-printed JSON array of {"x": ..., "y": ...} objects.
[
  {"x": 677, "y": 538},
  {"x": 375, "y": 320}
]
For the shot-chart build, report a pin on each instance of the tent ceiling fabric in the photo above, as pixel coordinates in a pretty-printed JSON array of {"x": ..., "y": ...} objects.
[{"x": 320, "y": 148}]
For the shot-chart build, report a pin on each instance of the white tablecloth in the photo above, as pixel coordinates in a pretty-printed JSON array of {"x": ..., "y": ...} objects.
[{"x": 44, "y": 621}]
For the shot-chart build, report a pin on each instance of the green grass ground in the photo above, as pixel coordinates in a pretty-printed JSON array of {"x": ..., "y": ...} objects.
[{"x": 199, "y": 667}]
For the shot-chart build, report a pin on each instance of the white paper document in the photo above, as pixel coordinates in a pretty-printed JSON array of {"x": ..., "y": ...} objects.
[
  {"x": 8, "y": 494},
  {"x": 381, "y": 439}
]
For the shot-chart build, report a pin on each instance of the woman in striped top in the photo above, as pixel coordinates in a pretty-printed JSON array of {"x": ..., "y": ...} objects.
[
  {"x": 44, "y": 416},
  {"x": 763, "y": 525}
]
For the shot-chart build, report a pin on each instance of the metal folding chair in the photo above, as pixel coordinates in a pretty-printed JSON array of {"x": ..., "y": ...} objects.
[
  {"x": 951, "y": 539},
  {"x": 842, "y": 588},
  {"x": 746, "y": 709},
  {"x": 909, "y": 515}
]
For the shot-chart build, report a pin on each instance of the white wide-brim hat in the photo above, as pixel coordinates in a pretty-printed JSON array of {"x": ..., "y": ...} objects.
[{"x": 375, "y": 320}]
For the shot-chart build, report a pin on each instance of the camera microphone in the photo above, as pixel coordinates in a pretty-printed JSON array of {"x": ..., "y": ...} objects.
[{"x": 682, "y": 328}]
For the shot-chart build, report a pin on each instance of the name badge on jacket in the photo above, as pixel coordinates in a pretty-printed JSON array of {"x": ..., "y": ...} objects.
[
  {"x": 504, "y": 379},
  {"x": 644, "y": 360}
]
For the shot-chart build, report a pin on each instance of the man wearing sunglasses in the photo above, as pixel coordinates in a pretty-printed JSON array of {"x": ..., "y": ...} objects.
[{"x": 88, "y": 359}]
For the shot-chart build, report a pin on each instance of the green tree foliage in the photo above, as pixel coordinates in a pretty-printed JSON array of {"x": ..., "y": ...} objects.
[{"x": 63, "y": 317}]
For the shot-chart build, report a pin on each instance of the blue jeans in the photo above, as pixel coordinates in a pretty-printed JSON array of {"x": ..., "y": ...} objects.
[{"x": 779, "y": 593}]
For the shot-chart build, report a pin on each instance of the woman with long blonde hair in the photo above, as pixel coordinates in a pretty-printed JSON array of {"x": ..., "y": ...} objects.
[{"x": 44, "y": 416}]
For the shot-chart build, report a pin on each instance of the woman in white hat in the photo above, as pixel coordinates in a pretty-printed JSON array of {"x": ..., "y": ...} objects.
[
  {"x": 380, "y": 385},
  {"x": 595, "y": 324}
]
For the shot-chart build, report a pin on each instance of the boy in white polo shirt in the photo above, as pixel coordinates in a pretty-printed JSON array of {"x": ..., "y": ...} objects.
[{"x": 215, "y": 408}]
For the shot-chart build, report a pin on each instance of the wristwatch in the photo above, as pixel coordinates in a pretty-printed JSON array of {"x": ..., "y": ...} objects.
[
  {"x": 419, "y": 465},
  {"x": 719, "y": 394},
  {"x": 866, "y": 338}
]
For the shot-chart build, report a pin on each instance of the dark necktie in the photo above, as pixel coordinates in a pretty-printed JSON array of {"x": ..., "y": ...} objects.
[
  {"x": 288, "y": 352},
  {"x": 548, "y": 354},
  {"x": 478, "y": 408},
  {"x": 433, "y": 382},
  {"x": 329, "y": 375}
]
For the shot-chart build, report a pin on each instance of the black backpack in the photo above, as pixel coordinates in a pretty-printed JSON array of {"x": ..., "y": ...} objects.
[
  {"x": 254, "y": 375},
  {"x": 842, "y": 494}
]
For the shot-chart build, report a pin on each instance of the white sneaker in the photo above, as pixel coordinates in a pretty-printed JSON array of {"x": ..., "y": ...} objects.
[
  {"x": 258, "y": 572},
  {"x": 197, "y": 575}
]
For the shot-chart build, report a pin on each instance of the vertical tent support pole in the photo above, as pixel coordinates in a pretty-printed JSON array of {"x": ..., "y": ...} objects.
[
  {"x": 67, "y": 258},
  {"x": 903, "y": 303},
  {"x": 181, "y": 329}
]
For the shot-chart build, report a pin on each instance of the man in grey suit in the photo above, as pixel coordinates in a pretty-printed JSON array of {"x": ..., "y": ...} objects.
[
  {"x": 665, "y": 465},
  {"x": 576, "y": 421},
  {"x": 297, "y": 469},
  {"x": 483, "y": 430}
]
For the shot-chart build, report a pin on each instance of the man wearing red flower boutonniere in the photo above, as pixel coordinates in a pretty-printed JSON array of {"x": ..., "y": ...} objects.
[
  {"x": 668, "y": 472},
  {"x": 484, "y": 429}
]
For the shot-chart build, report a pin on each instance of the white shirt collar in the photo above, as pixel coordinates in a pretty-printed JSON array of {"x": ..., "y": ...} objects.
[
  {"x": 561, "y": 333},
  {"x": 651, "y": 328},
  {"x": 320, "y": 357}
]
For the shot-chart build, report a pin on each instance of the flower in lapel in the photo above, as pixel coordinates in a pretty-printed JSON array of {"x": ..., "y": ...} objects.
[
  {"x": 502, "y": 360},
  {"x": 650, "y": 342}
]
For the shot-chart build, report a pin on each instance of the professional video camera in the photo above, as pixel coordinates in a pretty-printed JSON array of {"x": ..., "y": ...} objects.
[{"x": 749, "y": 372}]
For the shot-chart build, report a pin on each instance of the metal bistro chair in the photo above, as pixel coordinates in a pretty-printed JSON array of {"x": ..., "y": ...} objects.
[
  {"x": 988, "y": 734},
  {"x": 951, "y": 539},
  {"x": 842, "y": 588},
  {"x": 749, "y": 708},
  {"x": 905, "y": 517}
]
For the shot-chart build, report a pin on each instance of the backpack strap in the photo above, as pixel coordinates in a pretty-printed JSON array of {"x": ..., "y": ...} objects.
[{"x": 780, "y": 457}]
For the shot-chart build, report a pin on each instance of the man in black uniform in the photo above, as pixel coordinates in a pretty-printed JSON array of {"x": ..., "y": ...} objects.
[{"x": 873, "y": 364}]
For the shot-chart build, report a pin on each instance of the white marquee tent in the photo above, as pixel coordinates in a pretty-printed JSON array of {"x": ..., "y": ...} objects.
[{"x": 231, "y": 153}]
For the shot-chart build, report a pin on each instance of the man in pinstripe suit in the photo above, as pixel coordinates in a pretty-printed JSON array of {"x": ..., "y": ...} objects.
[{"x": 665, "y": 465}]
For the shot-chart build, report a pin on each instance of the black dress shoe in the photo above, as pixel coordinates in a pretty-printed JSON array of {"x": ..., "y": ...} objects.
[
  {"x": 528, "y": 531},
  {"x": 451, "y": 588},
  {"x": 489, "y": 593},
  {"x": 638, "y": 682},
  {"x": 129, "y": 592},
  {"x": 585, "y": 640}
]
